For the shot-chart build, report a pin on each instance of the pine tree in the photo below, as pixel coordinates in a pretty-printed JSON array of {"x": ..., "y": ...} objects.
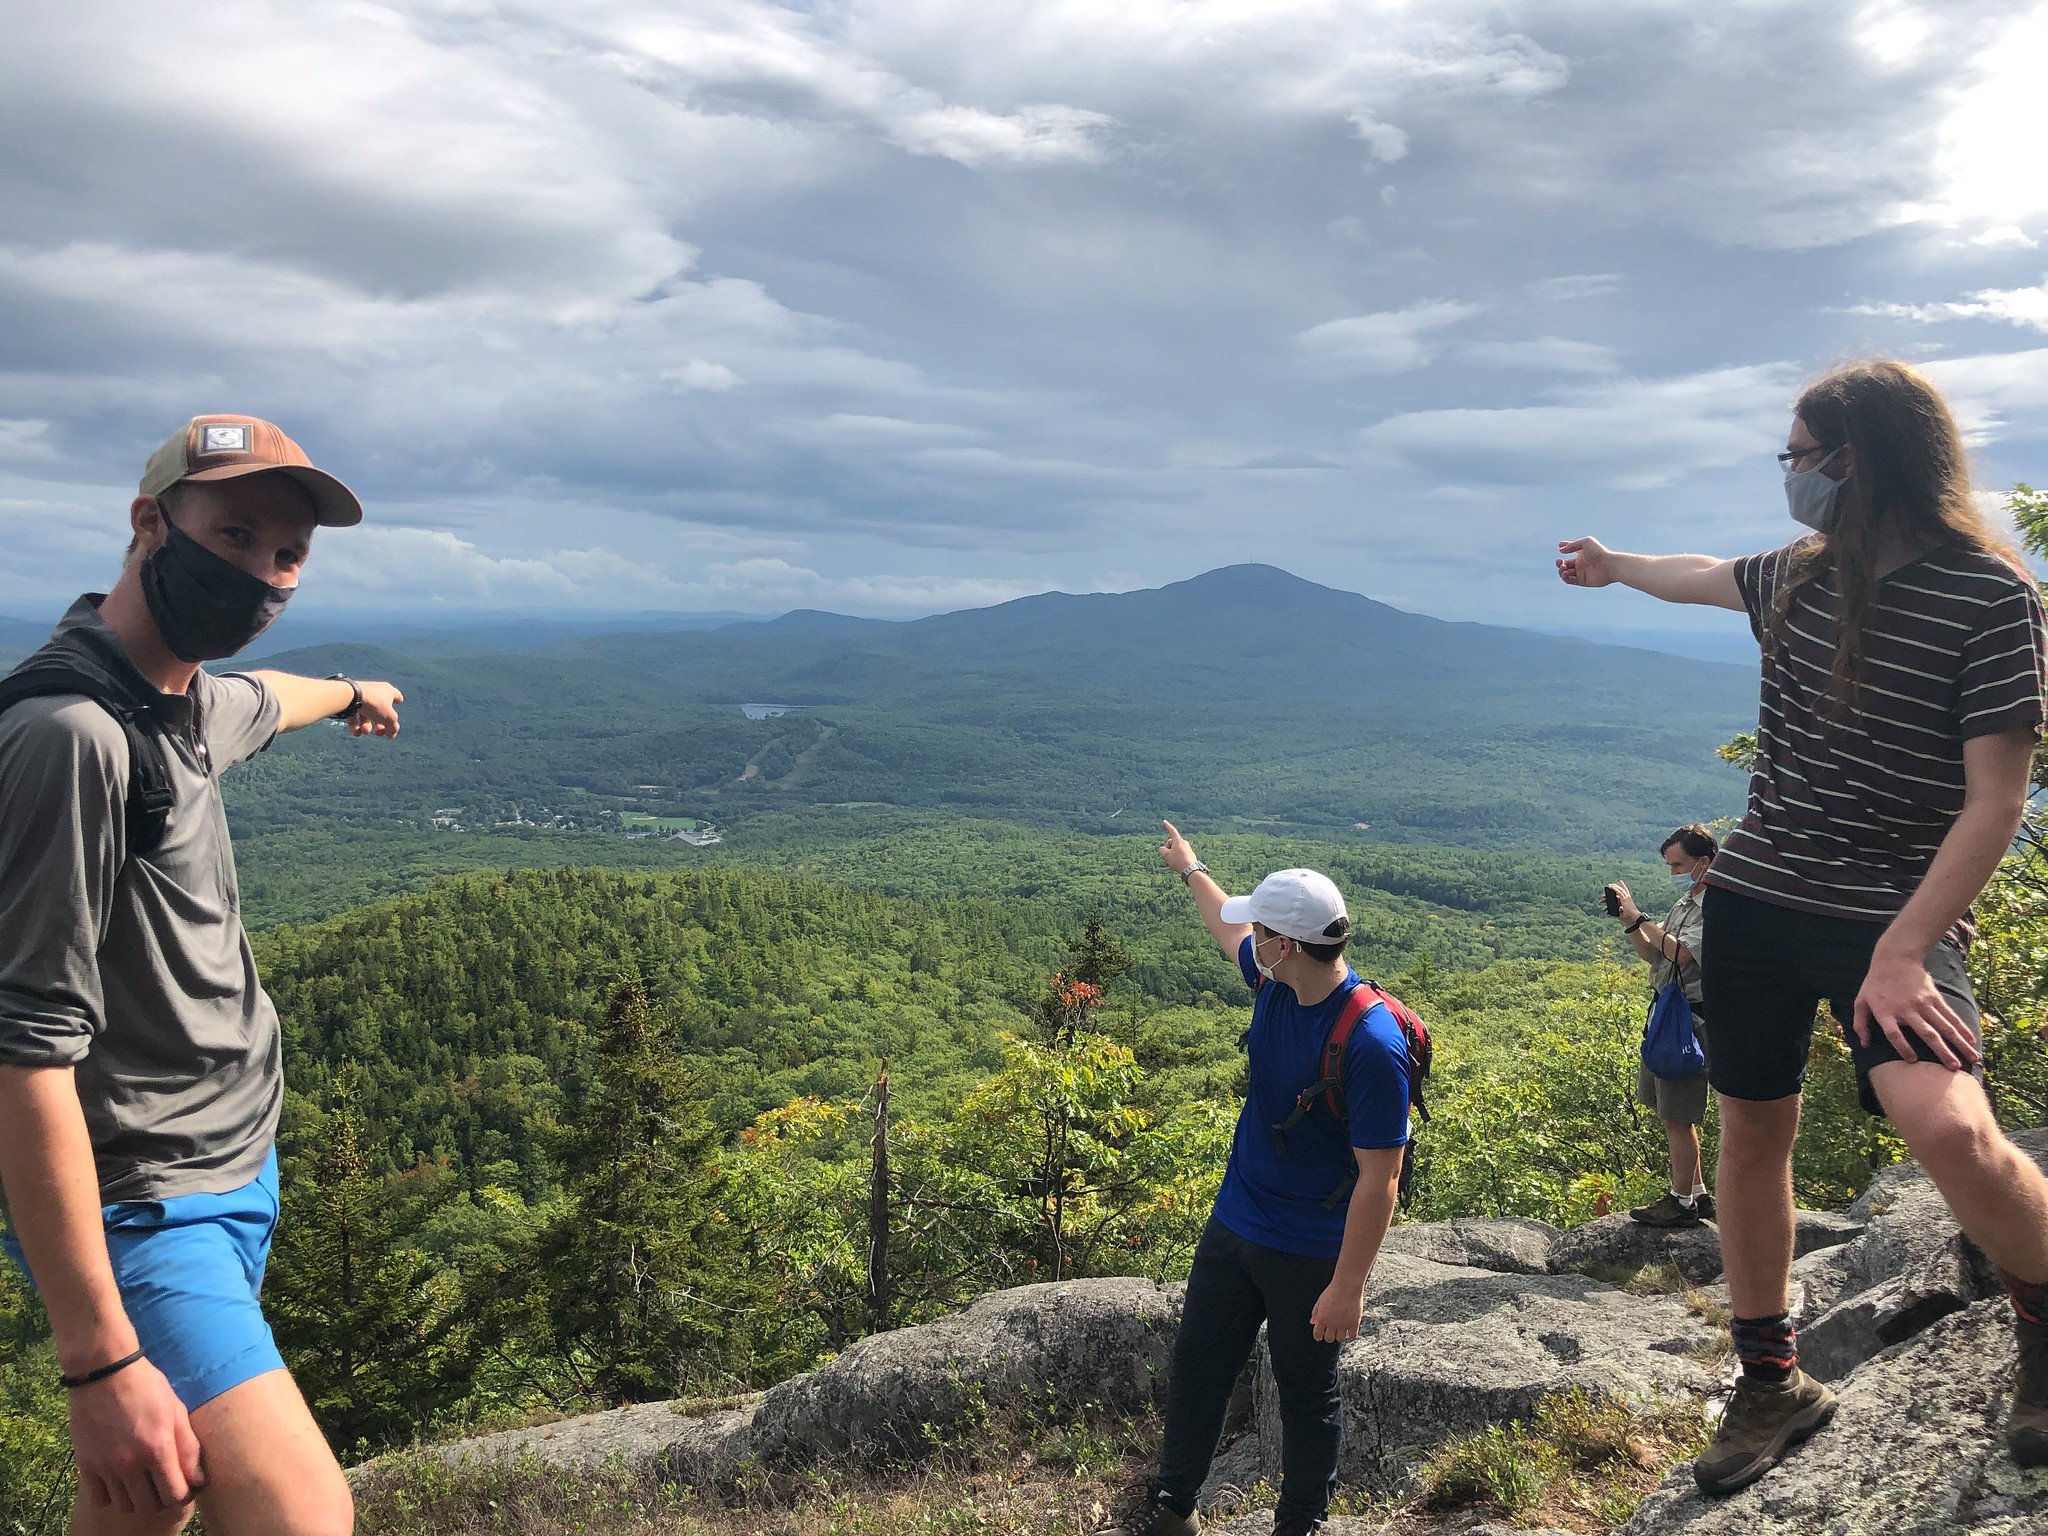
[
  {"x": 646, "y": 1286},
  {"x": 360, "y": 1315}
]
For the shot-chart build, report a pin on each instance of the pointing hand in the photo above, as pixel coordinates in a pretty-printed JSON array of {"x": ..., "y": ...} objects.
[{"x": 1175, "y": 853}]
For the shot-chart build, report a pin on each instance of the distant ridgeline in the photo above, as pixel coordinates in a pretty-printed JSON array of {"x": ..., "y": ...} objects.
[{"x": 1244, "y": 697}]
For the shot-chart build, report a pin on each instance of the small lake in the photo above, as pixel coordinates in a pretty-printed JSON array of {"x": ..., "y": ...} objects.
[{"x": 767, "y": 711}]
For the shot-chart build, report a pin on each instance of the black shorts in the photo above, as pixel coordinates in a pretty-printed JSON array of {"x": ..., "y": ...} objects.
[{"x": 1764, "y": 969}]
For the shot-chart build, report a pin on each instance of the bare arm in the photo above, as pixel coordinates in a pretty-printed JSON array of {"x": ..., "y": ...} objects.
[
  {"x": 305, "y": 701},
  {"x": 1177, "y": 855},
  {"x": 1366, "y": 1219},
  {"x": 1897, "y": 994},
  {"x": 1701, "y": 579},
  {"x": 1650, "y": 941},
  {"x": 134, "y": 1444}
]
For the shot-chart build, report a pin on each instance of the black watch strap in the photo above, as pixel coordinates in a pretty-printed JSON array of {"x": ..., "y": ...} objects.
[{"x": 355, "y": 703}]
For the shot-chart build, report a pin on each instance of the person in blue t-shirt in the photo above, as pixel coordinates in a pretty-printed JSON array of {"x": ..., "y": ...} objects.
[{"x": 1300, "y": 1217}]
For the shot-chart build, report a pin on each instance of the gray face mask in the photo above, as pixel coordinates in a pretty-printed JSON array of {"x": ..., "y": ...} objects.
[{"x": 1811, "y": 495}]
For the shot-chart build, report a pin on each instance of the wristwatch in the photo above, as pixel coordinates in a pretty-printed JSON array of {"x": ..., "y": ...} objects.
[
  {"x": 355, "y": 703},
  {"x": 1187, "y": 876}
]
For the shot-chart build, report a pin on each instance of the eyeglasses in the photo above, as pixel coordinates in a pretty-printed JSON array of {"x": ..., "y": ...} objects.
[{"x": 1791, "y": 456}]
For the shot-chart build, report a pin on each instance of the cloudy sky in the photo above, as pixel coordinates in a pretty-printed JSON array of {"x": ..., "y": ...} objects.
[{"x": 891, "y": 306}]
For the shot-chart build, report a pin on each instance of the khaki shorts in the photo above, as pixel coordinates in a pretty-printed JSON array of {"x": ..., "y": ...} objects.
[{"x": 1680, "y": 1103}]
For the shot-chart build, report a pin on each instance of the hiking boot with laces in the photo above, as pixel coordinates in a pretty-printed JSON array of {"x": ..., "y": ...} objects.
[
  {"x": 1669, "y": 1211},
  {"x": 2026, "y": 1432},
  {"x": 1148, "y": 1514},
  {"x": 1760, "y": 1426}
]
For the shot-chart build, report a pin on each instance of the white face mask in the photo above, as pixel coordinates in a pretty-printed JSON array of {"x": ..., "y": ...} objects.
[
  {"x": 1265, "y": 970},
  {"x": 1811, "y": 495},
  {"x": 1685, "y": 882}
]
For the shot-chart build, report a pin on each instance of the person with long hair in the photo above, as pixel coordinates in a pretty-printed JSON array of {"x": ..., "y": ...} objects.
[{"x": 1902, "y": 698}]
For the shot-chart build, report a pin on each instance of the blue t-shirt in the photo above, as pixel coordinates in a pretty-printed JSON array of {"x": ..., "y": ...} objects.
[{"x": 1276, "y": 1199}]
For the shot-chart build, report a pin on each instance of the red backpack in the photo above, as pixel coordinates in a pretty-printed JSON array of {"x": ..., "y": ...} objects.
[{"x": 1329, "y": 1084}]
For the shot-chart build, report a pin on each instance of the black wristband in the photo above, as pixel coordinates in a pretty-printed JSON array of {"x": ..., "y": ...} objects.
[
  {"x": 355, "y": 704},
  {"x": 1641, "y": 918},
  {"x": 73, "y": 1383}
]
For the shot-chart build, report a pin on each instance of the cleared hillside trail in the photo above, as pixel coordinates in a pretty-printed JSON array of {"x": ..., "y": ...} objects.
[{"x": 804, "y": 760}]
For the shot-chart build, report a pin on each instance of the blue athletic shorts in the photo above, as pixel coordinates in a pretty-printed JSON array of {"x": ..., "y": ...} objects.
[{"x": 190, "y": 1270}]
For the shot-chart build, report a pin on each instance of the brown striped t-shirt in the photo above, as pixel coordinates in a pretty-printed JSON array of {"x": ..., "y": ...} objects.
[{"x": 1846, "y": 813}]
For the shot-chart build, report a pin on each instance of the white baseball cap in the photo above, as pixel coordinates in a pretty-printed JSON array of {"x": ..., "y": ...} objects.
[{"x": 1300, "y": 903}]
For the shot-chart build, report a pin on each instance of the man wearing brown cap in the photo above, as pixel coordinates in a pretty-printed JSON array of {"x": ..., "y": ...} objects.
[{"x": 140, "y": 1065}]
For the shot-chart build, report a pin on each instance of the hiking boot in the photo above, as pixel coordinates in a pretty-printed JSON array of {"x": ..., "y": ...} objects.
[
  {"x": 1703, "y": 1206},
  {"x": 1669, "y": 1211},
  {"x": 1292, "y": 1527},
  {"x": 1760, "y": 1426},
  {"x": 2026, "y": 1432},
  {"x": 1148, "y": 1514}
]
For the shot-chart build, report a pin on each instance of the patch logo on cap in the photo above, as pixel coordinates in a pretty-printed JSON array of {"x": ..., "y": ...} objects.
[{"x": 233, "y": 439}]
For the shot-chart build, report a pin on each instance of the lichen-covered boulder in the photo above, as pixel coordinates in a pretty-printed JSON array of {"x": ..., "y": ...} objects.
[
  {"x": 672, "y": 1439},
  {"x": 1043, "y": 1351},
  {"x": 1917, "y": 1449},
  {"x": 1512, "y": 1245},
  {"x": 1621, "y": 1243},
  {"x": 1446, "y": 1351}
]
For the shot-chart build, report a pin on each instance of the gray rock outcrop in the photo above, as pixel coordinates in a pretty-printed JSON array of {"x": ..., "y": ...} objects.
[
  {"x": 1513, "y": 1245},
  {"x": 1467, "y": 1324},
  {"x": 1917, "y": 1449},
  {"x": 1046, "y": 1351},
  {"x": 1445, "y": 1351},
  {"x": 1618, "y": 1243}
]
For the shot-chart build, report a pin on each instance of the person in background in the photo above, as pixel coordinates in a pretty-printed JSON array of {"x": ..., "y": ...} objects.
[
  {"x": 1305, "y": 1204},
  {"x": 1672, "y": 948},
  {"x": 1902, "y": 699},
  {"x": 141, "y": 1068}
]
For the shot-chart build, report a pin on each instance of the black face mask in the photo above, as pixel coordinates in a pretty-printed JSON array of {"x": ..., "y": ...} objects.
[{"x": 204, "y": 606}]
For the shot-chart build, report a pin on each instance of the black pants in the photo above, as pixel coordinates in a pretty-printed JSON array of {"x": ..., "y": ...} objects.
[{"x": 1233, "y": 1286}]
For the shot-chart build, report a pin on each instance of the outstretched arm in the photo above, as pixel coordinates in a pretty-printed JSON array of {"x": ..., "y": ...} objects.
[
  {"x": 1176, "y": 855},
  {"x": 303, "y": 701},
  {"x": 1671, "y": 578}
]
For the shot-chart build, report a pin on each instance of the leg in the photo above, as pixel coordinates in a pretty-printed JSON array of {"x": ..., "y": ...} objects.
[
  {"x": 268, "y": 1469},
  {"x": 1999, "y": 1196},
  {"x": 1754, "y": 1188},
  {"x": 89, "y": 1519},
  {"x": 268, "y": 1472},
  {"x": 1683, "y": 1138},
  {"x": 1219, "y": 1323},
  {"x": 1305, "y": 1373}
]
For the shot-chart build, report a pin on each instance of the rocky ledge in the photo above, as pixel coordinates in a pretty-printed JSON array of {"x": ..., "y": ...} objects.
[{"x": 1467, "y": 1323}]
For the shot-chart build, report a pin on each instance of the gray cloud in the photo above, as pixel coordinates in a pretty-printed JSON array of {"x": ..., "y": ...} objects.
[{"x": 907, "y": 303}]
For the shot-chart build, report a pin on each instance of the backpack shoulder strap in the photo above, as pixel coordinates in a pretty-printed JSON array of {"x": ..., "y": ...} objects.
[
  {"x": 1356, "y": 1006},
  {"x": 149, "y": 774}
]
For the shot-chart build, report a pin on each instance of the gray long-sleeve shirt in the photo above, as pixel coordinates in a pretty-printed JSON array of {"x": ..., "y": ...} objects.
[{"x": 137, "y": 971}]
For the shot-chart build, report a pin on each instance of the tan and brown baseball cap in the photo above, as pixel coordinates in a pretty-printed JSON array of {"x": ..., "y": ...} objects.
[{"x": 226, "y": 447}]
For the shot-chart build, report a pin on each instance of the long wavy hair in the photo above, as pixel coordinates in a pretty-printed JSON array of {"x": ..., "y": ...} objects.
[{"x": 1908, "y": 488}]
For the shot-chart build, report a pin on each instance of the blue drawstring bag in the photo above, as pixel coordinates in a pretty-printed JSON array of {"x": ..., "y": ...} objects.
[{"x": 1671, "y": 1049}]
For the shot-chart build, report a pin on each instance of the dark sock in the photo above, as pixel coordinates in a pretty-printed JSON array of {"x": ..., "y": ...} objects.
[
  {"x": 1768, "y": 1348},
  {"x": 1181, "y": 1507},
  {"x": 2029, "y": 1300}
]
